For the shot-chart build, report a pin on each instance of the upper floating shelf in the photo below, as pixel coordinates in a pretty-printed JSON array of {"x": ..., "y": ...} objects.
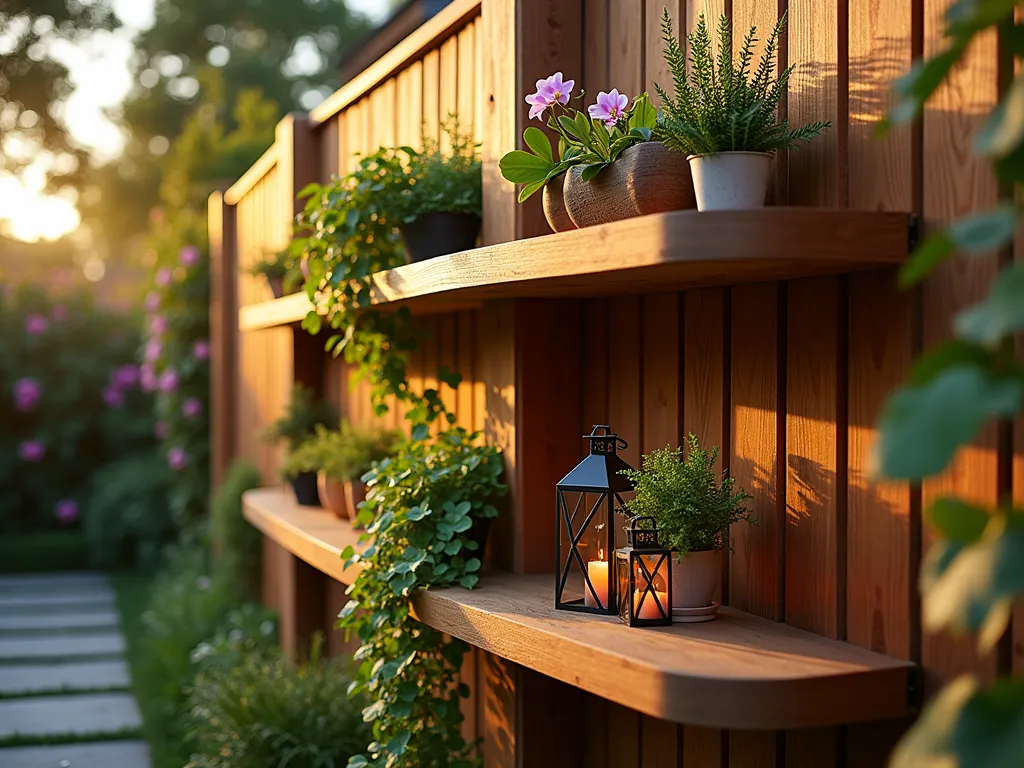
[
  {"x": 647, "y": 254},
  {"x": 739, "y": 671}
]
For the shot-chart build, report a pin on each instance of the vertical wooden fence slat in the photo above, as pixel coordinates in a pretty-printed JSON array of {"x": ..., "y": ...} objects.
[
  {"x": 661, "y": 418},
  {"x": 655, "y": 68},
  {"x": 623, "y": 737},
  {"x": 957, "y": 183},
  {"x": 596, "y": 48},
  {"x": 467, "y": 80},
  {"x": 624, "y": 381},
  {"x": 703, "y": 409},
  {"x": 223, "y": 336},
  {"x": 448, "y": 93},
  {"x": 627, "y": 54}
]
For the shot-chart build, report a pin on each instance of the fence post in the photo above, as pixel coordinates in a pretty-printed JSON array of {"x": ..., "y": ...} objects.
[{"x": 223, "y": 335}]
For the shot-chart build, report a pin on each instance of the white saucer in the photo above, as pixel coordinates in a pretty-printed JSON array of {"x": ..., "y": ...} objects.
[{"x": 694, "y": 615}]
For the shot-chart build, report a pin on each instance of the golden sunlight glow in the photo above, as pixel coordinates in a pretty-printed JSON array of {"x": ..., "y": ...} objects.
[{"x": 29, "y": 214}]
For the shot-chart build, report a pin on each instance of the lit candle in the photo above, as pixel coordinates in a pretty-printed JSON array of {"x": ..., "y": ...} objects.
[
  {"x": 649, "y": 609},
  {"x": 597, "y": 570}
]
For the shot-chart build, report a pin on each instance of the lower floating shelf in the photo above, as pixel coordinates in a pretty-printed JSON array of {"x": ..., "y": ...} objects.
[{"x": 739, "y": 671}]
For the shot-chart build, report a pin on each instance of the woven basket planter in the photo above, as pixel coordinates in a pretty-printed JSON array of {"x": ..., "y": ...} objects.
[
  {"x": 647, "y": 178},
  {"x": 554, "y": 206}
]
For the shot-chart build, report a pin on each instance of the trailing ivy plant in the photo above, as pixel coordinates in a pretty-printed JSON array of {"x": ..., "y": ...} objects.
[
  {"x": 426, "y": 511},
  {"x": 426, "y": 503},
  {"x": 972, "y": 576}
]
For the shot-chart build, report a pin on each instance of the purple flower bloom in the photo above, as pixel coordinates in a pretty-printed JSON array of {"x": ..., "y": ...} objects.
[
  {"x": 164, "y": 277},
  {"x": 59, "y": 313},
  {"x": 168, "y": 381},
  {"x": 201, "y": 350},
  {"x": 126, "y": 377},
  {"x": 147, "y": 378},
  {"x": 189, "y": 256},
  {"x": 153, "y": 350},
  {"x": 31, "y": 450},
  {"x": 113, "y": 397},
  {"x": 27, "y": 392},
  {"x": 66, "y": 511},
  {"x": 609, "y": 107},
  {"x": 36, "y": 324},
  {"x": 550, "y": 91},
  {"x": 177, "y": 459},
  {"x": 158, "y": 325},
  {"x": 191, "y": 408},
  {"x": 160, "y": 430},
  {"x": 152, "y": 301}
]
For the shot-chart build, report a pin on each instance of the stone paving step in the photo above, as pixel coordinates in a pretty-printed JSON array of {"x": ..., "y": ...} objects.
[
  {"x": 59, "y": 646},
  {"x": 80, "y": 676},
  {"x": 109, "y": 754},
  {"x": 53, "y": 581},
  {"x": 59, "y": 620},
  {"x": 79, "y": 714},
  {"x": 92, "y": 600}
]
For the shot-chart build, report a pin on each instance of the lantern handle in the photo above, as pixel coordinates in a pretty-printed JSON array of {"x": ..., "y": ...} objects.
[
  {"x": 619, "y": 442},
  {"x": 634, "y": 520}
]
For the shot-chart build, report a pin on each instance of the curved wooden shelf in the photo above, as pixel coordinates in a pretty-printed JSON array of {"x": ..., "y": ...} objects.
[
  {"x": 648, "y": 254},
  {"x": 738, "y": 671}
]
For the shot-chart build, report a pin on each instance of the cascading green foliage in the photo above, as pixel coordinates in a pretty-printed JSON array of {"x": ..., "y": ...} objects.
[
  {"x": 425, "y": 501},
  {"x": 971, "y": 578},
  {"x": 692, "y": 508},
  {"x": 719, "y": 105},
  {"x": 425, "y": 510}
]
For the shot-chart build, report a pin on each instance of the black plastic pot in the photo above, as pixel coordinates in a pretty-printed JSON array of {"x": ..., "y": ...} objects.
[
  {"x": 276, "y": 285},
  {"x": 435, "y": 234},
  {"x": 304, "y": 485},
  {"x": 478, "y": 533}
]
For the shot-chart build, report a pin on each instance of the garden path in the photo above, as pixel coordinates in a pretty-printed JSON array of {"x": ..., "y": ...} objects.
[{"x": 64, "y": 684}]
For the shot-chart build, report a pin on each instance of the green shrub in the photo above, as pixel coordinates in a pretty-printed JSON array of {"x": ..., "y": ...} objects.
[
  {"x": 44, "y": 551},
  {"x": 437, "y": 181},
  {"x": 190, "y": 607},
  {"x": 692, "y": 508},
  {"x": 127, "y": 520},
  {"x": 237, "y": 544},
  {"x": 301, "y": 419},
  {"x": 269, "y": 713}
]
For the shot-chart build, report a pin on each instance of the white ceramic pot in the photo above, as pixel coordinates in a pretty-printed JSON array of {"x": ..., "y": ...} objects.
[
  {"x": 694, "y": 578},
  {"x": 730, "y": 181}
]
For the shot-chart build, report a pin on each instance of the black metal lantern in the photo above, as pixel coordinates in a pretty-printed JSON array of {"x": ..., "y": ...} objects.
[
  {"x": 585, "y": 536},
  {"x": 643, "y": 574}
]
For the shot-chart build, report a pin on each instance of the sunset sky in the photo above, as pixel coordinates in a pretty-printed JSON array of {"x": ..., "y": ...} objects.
[{"x": 99, "y": 72}]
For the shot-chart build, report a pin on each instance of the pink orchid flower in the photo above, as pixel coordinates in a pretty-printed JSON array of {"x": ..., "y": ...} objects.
[
  {"x": 189, "y": 256},
  {"x": 66, "y": 511},
  {"x": 36, "y": 324},
  {"x": 27, "y": 392},
  {"x": 168, "y": 381},
  {"x": 550, "y": 91},
  {"x": 31, "y": 450},
  {"x": 164, "y": 277},
  {"x": 113, "y": 397},
  {"x": 201, "y": 350},
  {"x": 609, "y": 107},
  {"x": 191, "y": 408}
]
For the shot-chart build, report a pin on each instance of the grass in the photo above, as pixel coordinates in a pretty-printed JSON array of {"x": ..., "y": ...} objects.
[
  {"x": 132, "y": 591},
  {"x": 52, "y": 739},
  {"x": 46, "y": 551}
]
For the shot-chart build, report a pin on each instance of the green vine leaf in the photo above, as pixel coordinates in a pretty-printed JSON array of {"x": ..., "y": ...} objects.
[{"x": 999, "y": 314}]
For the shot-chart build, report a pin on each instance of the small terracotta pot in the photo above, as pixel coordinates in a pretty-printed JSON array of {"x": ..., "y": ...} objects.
[
  {"x": 694, "y": 578},
  {"x": 647, "y": 178},
  {"x": 332, "y": 495},
  {"x": 554, "y": 206},
  {"x": 355, "y": 492}
]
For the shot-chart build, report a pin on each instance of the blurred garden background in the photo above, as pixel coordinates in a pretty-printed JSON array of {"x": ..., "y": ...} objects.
[{"x": 118, "y": 118}]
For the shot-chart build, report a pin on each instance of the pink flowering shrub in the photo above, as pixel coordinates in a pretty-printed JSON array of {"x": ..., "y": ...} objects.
[{"x": 70, "y": 405}]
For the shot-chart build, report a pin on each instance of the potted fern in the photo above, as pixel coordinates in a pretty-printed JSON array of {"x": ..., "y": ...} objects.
[
  {"x": 439, "y": 202},
  {"x": 724, "y": 118},
  {"x": 693, "y": 510},
  {"x": 304, "y": 413}
]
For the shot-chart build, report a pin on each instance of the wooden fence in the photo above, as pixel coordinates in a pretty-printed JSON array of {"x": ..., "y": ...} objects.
[{"x": 787, "y": 377}]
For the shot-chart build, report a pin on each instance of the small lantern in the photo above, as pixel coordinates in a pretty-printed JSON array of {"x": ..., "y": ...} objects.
[
  {"x": 643, "y": 573},
  {"x": 587, "y": 499}
]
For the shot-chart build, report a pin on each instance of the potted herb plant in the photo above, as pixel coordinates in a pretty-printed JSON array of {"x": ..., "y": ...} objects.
[
  {"x": 725, "y": 119},
  {"x": 440, "y": 203},
  {"x": 295, "y": 427},
  {"x": 693, "y": 510},
  {"x": 280, "y": 272},
  {"x": 340, "y": 458},
  {"x": 611, "y": 167}
]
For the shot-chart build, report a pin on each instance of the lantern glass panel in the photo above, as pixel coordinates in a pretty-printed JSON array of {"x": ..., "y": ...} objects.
[
  {"x": 584, "y": 545},
  {"x": 644, "y": 587}
]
